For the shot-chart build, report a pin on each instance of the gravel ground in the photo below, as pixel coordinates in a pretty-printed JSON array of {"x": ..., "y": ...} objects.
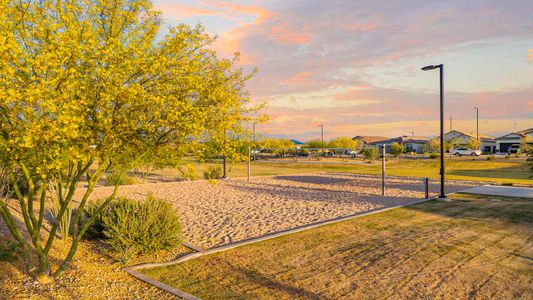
[{"x": 226, "y": 211}]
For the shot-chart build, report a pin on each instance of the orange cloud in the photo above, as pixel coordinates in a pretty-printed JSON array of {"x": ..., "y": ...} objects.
[{"x": 231, "y": 8}]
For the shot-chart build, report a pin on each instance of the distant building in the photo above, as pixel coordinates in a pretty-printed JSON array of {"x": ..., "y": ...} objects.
[
  {"x": 297, "y": 143},
  {"x": 514, "y": 138},
  {"x": 365, "y": 139},
  {"x": 417, "y": 144},
  {"x": 461, "y": 138}
]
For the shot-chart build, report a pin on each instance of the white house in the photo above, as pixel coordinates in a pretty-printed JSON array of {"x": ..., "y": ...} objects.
[
  {"x": 487, "y": 143},
  {"x": 514, "y": 138}
]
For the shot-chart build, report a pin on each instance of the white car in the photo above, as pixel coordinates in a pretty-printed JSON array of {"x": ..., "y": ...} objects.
[{"x": 465, "y": 151}]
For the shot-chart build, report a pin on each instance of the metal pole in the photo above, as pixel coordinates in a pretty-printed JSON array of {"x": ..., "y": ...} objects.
[
  {"x": 450, "y": 123},
  {"x": 224, "y": 168},
  {"x": 249, "y": 165},
  {"x": 442, "y": 169},
  {"x": 426, "y": 182},
  {"x": 322, "y": 132},
  {"x": 383, "y": 170},
  {"x": 477, "y": 123}
]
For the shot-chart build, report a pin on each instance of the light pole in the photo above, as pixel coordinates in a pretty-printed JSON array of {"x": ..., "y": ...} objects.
[
  {"x": 477, "y": 122},
  {"x": 440, "y": 67},
  {"x": 321, "y": 132}
]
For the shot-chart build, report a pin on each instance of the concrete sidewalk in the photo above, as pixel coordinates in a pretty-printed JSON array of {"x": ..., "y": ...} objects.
[{"x": 495, "y": 190}]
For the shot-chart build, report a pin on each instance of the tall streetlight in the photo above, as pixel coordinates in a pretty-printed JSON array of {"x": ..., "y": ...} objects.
[
  {"x": 477, "y": 122},
  {"x": 321, "y": 132},
  {"x": 442, "y": 195}
]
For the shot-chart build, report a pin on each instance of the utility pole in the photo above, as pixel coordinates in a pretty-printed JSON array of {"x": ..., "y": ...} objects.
[
  {"x": 477, "y": 122},
  {"x": 321, "y": 132},
  {"x": 451, "y": 123}
]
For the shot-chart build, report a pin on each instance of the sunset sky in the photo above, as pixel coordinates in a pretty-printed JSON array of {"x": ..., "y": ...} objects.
[{"x": 355, "y": 65}]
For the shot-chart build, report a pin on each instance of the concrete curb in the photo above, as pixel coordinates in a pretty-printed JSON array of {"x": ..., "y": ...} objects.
[{"x": 181, "y": 294}]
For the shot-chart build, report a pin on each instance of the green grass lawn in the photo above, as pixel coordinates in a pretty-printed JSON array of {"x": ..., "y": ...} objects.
[
  {"x": 501, "y": 171},
  {"x": 473, "y": 247}
]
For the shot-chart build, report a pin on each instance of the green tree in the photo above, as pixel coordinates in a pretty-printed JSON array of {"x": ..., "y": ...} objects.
[
  {"x": 433, "y": 145},
  {"x": 450, "y": 144},
  {"x": 316, "y": 144},
  {"x": 396, "y": 149},
  {"x": 85, "y": 88},
  {"x": 474, "y": 144},
  {"x": 343, "y": 142},
  {"x": 526, "y": 145}
]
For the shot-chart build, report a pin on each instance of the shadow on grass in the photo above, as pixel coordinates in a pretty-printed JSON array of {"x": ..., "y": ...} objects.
[
  {"x": 513, "y": 172},
  {"x": 482, "y": 208}
]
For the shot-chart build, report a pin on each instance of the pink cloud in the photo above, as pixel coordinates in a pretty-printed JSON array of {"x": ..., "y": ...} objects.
[
  {"x": 281, "y": 34},
  {"x": 300, "y": 78}
]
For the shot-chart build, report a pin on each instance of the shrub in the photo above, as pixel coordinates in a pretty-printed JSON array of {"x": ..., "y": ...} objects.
[
  {"x": 65, "y": 221},
  {"x": 508, "y": 156},
  {"x": 529, "y": 159},
  {"x": 213, "y": 172},
  {"x": 189, "y": 173},
  {"x": 133, "y": 227},
  {"x": 111, "y": 179},
  {"x": 7, "y": 250},
  {"x": 396, "y": 149},
  {"x": 490, "y": 157},
  {"x": 434, "y": 155},
  {"x": 370, "y": 153}
]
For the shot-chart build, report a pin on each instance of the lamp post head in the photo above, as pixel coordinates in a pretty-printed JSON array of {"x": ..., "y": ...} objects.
[{"x": 431, "y": 67}]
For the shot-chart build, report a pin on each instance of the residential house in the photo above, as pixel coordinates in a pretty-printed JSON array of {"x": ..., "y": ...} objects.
[
  {"x": 365, "y": 139},
  {"x": 417, "y": 144},
  {"x": 461, "y": 139},
  {"x": 514, "y": 138}
]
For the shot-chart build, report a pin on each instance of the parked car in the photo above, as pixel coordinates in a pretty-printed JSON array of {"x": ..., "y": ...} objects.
[
  {"x": 350, "y": 152},
  {"x": 465, "y": 151},
  {"x": 514, "y": 149}
]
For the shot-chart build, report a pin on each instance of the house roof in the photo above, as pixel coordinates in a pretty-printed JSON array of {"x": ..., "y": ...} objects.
[
  {"x": 521, "y": 133},
  {"x": 369, "y": 138},
  {"x": 403, "y": 139},
  {"x": 296, "y": 142},
  {"x": 482, "y": 137}
]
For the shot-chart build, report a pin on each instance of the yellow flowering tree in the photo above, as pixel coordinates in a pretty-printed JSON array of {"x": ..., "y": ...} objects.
[{"x": 87, "y": 86}]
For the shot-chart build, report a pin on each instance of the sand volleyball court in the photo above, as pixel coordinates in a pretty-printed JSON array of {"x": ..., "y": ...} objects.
[{"x": 233, "y": 210}]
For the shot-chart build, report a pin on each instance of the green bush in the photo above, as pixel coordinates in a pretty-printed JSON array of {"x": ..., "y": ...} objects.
[
  {"x": 396, "y": 149},
  {"x": 132, "y": 227},
  {"x": 111, "y": 179},
  {"x": 8, "y": 250},
  {"x": 434, "y": 155},
  {"x": 189, "y": 173},
  {"x": 370, "y": 153},
  {"x": 213, "y": 172},
  {"x": 490, "y": 157}
]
